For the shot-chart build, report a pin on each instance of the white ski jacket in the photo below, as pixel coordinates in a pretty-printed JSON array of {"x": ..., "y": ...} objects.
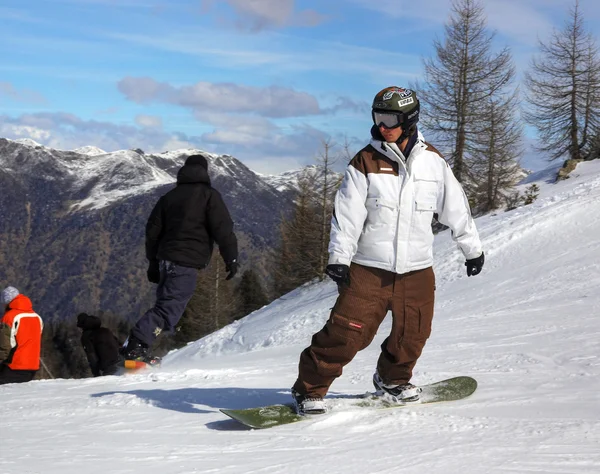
[{"x": 384, "y": 209}]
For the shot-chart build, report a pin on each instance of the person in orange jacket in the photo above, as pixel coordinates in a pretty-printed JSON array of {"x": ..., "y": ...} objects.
[{"x": 20, "y": 338}]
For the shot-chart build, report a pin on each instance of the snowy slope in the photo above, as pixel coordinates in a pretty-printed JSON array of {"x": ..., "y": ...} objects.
[{"x": 528, "y": 328}]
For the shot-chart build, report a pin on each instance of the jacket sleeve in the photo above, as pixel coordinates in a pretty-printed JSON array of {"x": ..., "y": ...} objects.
[
  {"x": 456, "y": 214},
  {"x": 220, "y": 226},
  {"x": 349, "y": 213},
  {"x": 5, "y": 347},
  {"x": 154, "y": 230},
  {"x": 90, "y": 352}
]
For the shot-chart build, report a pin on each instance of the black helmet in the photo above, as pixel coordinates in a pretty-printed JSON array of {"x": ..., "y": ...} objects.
[{"x": 400, "y": 102}]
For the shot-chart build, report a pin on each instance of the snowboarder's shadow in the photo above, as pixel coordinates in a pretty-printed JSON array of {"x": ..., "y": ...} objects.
[
  {"x": 200, "y": 400},
  {"x": 205, "y": 400}
]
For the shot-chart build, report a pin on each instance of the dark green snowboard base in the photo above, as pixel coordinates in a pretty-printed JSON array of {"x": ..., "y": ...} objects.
[{"x": 448, "y": 390}]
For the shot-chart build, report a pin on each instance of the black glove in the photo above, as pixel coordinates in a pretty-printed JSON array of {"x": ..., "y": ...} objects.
[
  {"x": 339, "y": 273},
  {"x": 153, "y": 271},
  {"x": 231, "y": 268},
  {"x": 474, "y": 265}
]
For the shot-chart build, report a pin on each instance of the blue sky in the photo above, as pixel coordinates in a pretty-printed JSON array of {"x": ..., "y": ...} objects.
[{"x": 263, "y": 80}]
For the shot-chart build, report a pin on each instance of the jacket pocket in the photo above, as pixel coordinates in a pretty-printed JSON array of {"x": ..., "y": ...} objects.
[
  {"x": 426, "y": 194},
  {"x": 425, "y": 205},
  {"x": 380, "y": 224},
  {"x": 378, "y": 203}
]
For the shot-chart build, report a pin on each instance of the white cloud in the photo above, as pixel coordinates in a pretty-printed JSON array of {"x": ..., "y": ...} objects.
[
  {"x": 212, "y": 44},
  {"x": 431, "y": 10},
  {"x": 16, "y": 131},
  {"x": 116, "y": 3},
  {"x": 273, "y": 101},
  {"x": 21, "y": 95},
  {"x": 258, "y": 54},
  {"x": 238, "y": 130},
  {"x": 67, "y": 131},
  {"x": 257, "y": 142},
  {"x": 518, "y": 21},
  {"x": 521, "y": 21},
  {"x": 148, "y": 121},
  {"x": 257, "y": 15}
]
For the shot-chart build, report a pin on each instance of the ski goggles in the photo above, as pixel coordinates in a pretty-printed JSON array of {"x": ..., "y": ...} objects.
[{"x": 387, "y": 119}]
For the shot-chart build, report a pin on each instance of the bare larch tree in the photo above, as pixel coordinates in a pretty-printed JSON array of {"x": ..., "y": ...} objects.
[
  {"x": 563, "y": 91},
  {"x": 460, "y": 81}
]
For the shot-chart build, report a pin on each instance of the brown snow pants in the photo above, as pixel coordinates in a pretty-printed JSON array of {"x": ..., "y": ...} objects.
[{"x": 355, "y": 318}]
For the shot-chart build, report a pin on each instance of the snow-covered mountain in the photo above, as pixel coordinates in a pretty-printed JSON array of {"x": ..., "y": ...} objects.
[
  {"x": 93, "y": 178},
  {"x": 288, "y": 182},
  {"x": 527, "y": 328},
  {"x": 90, "y": 150},
  {"x": 70, "y": 218}
]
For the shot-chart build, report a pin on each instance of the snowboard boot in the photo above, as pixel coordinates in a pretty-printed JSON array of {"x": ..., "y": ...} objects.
[
  {"x": 403, "y": 393},
  {"x": 136, "y": 350},
  {"x": 308, "y": 405}
]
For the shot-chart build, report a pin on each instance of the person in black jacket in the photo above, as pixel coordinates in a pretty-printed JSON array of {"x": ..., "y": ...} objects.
[
  {"x": 180, "y": 233},
  {"x": 100, "y": 345}
]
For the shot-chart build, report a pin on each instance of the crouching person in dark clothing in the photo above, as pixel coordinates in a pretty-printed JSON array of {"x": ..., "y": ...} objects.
[
  {"x": 180, "y": 233},
  {"x": 100, "y": 345}
]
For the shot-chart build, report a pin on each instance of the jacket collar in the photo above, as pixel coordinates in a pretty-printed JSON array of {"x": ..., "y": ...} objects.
[{"x": 392, "y": 151}]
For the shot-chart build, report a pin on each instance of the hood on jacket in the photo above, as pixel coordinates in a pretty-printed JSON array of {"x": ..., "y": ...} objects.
[
  {"x": 195, "y": 170},
  {"x": 21, "y": 303},
  {"x": 87, "y": 321}
]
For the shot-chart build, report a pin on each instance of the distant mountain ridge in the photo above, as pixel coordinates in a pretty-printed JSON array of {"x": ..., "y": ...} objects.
[
  {"x": 73, "y": 222},
  {"x": 288, "y": 182}
]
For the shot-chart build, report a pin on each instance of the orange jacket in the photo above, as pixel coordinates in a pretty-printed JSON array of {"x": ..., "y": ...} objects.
[{"x": 21, "y": 335}]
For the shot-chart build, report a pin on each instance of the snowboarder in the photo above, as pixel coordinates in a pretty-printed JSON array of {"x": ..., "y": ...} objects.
[
  {"x": 20, "y": 338},
  {"x": 180, "y": 233},
  {"x": 380, "y": 253},
  {"x": 100, "y": 345}
]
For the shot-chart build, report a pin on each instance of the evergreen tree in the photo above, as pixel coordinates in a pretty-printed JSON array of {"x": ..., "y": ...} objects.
[
  {"x": 303, "y": 251},
  {"x": 62, "y": 351},
  {"x": 251, "y": 293},
  {"x": 298, "y": 258}
]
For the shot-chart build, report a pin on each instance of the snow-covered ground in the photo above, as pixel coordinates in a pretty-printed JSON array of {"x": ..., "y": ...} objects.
[{"x": 527, "y": 328}]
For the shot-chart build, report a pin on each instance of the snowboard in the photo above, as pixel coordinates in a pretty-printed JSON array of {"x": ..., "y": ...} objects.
[
  {"x": 137, "y": 365},
  {"x": 452, "y": 389}
]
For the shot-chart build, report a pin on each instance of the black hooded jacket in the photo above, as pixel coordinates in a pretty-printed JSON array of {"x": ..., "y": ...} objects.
[
  {"x": 187, "y": 221},
  {"x": 100, "y": 345}
]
